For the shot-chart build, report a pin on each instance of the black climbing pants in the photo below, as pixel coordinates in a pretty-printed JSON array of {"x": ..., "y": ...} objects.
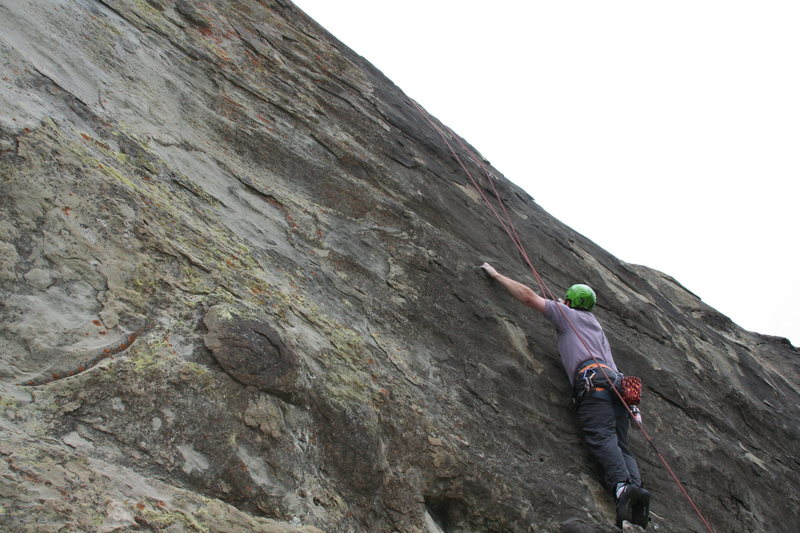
[{"x": 604, "y": 422}]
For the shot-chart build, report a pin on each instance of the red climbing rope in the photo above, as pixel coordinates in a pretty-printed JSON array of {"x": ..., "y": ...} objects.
[{"x": 508, "y": 227}]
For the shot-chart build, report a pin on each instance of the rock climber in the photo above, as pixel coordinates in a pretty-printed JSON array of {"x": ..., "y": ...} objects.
[{"x": 602, "y": 416}]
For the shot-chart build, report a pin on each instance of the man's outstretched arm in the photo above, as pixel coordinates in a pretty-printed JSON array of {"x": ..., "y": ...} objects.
[{"x": 521, "y": 292}]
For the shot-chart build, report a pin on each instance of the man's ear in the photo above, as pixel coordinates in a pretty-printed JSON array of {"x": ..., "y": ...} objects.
[{"x": 568, "y": 303}]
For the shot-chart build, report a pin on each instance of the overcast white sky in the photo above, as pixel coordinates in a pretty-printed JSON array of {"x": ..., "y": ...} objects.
[{"x": 666, "y": 132}]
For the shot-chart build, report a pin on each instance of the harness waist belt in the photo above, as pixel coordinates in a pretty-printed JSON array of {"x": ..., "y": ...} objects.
[{"x": 585, "y": 367}]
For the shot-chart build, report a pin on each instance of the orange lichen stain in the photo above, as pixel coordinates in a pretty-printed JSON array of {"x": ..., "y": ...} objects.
[
  {"x": 231, "y": 101},
  {"x": 106, "y": 351},
  {"x": 161, "y": 503},
  {"x": 205, "y": 31},
  {"x": 273, "y": 202},
  {"x": 97, "y": 323},
  {"x": 252, "y": 58},
  {"x": 262, "y": 118},
  {"x": 146, "y": 178},
  {"x": 385, "y": 392},
  {"x": 86, "y": 137},
  {"x": 102, "y": 332},
  {"x": 66, "y": 210},
  {"x": 255, "y": 290},
  {"x": 81, "y": 368},
  {"x": 140, "y": 506},
  {"x": 54, "y": 376}
]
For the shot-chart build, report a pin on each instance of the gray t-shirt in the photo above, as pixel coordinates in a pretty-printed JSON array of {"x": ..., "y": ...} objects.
[{"x": 572, "y": 350}]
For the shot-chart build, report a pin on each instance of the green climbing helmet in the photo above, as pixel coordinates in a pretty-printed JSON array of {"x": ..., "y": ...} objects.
[{"x": 582, "y": 297}]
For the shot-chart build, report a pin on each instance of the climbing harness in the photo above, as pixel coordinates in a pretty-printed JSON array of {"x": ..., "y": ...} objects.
[
  {"x": 591, "y": 381},
  {"x": 597, "y": 379},
  {"x": 508, "y": 227}
]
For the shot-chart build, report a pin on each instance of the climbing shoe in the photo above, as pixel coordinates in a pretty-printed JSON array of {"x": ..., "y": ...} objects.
[
  {"x": 640, "y": 510},
  {"x": 625, "y": 496}
]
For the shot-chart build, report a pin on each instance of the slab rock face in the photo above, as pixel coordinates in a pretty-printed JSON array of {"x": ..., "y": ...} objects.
[{"x": 239, "y": 293}]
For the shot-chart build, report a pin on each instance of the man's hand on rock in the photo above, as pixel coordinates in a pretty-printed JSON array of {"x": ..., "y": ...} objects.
[{"x": 489, "y": 270}]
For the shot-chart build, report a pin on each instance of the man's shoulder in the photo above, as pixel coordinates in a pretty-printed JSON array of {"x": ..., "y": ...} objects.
[
  {"x": 561, "y": 312},
  {"x": 553, "y": 309}
]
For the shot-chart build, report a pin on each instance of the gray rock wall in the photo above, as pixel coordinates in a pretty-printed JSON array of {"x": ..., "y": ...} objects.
[{"x": 239, "y": 293}]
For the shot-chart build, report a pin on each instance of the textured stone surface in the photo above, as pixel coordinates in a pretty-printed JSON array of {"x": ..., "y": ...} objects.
[
  {"x": 239, "y": 292},
  {"x": 252, "y": 353}
]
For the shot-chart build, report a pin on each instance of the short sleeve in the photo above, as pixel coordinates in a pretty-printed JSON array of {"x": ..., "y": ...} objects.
[{"x": 554, "y": 315}]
